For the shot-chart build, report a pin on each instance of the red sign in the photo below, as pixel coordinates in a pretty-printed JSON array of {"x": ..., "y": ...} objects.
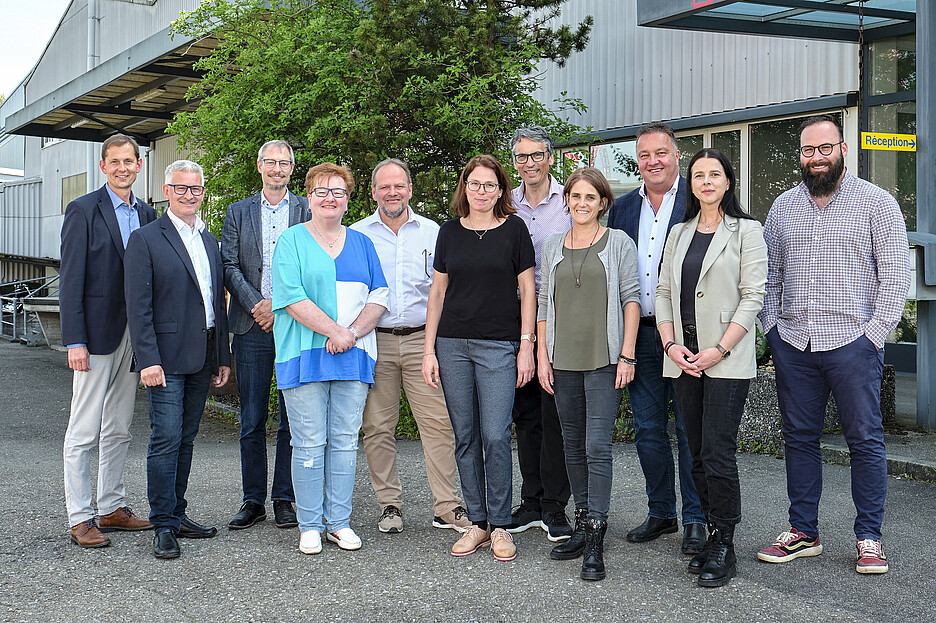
[{"x": 696, "y": 4}]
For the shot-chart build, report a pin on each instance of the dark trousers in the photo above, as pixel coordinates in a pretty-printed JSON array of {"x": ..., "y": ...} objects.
[
  {"x": 852, "y": 373},
  {"x": 175, "y": 413},
  {"x": 588, "y": 406},
  {"x": 254, "y": 354},
  {"x": 711, "y": 413},
  {"x": 539, "y": 449}
]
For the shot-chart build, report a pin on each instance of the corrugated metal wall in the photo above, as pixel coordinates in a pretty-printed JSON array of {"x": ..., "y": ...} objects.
[
  {"x": 629, "y": 75},
  {"x": 20, "y": 222}
]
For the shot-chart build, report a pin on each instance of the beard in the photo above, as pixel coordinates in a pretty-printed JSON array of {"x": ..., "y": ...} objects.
[
  {"x": 392, "y": 214},
  {"x": 823, "y": 184}
]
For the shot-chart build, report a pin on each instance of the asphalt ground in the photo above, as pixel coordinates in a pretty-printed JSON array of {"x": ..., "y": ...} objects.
[{"x": 259, "y": 575}]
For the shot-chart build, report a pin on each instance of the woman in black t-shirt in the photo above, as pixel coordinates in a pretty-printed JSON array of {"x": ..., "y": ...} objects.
[{"x": 479, "y": 343}]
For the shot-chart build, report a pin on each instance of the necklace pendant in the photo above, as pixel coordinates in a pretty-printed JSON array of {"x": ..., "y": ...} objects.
[{"x": 578, "y": 284}]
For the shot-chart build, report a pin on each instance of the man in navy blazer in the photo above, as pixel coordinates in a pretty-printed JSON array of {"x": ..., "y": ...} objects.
[
  {"x": 647, "y": 214},
  {"x": 249, "y": 236},
  {"x": 94, "y": 328},
  {"x": 176, "y": 311}
]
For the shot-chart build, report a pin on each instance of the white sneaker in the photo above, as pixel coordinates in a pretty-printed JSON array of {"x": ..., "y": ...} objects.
[
  {"x": 345, "y": 538},
  {"x": 310, "y": 542}
]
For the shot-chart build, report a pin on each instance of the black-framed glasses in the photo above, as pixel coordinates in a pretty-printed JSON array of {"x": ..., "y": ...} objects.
[
  {"x": 474, "y": 186},
  {"x": 181, "y": 189},
  {"x": 427, "y": 261},
  {"x": 337, "y": 193},
  {"x": 271, "y": 163},
  {"x": 537, "y": 156},
  {"x": 825, "y": 149}
]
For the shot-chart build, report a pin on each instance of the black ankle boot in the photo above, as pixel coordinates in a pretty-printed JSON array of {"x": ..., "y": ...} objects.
[
  {"x": 575, "y": 544},
  {"x": 593, "y": 565},
  {"x": 721, "y": 565},
  {"x": 698, "y": 561}
]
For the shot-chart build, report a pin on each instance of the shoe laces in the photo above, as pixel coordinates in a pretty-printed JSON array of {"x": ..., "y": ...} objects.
[
  {"x": 786, "y": 538},
  {"x": 869, "y": 548},
  {"x": 458, "y": 512},
  {"x": 522, "y": 508},
  {"x": 555, "y": 517},
  {"x": 390, "y": 512},
  {"x": 501, "y": 535}
]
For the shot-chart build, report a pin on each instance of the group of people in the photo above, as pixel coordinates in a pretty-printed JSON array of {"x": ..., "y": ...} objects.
[{"x": 524, "y": 310}]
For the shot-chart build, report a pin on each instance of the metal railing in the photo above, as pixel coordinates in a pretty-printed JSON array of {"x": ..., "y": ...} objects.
[{"x": 13, "y": 314}]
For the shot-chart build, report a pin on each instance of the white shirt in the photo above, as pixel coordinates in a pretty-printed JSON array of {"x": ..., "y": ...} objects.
[
  {"x": 651, "y": 239},
  {"x": 192, "y": 239},
  {"x": 406, "y": 259}
]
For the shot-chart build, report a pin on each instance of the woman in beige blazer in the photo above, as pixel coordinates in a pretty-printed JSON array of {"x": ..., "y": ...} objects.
[{"x": 710, "y": 290}]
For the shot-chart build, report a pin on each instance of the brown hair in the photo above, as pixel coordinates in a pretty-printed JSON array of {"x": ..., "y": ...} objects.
[
  {"x": 326, "y": 170},
  {"x": 598, "y": 181},
  {"x": 504, "y": 205},
  {"x": 116, "y": 141}
]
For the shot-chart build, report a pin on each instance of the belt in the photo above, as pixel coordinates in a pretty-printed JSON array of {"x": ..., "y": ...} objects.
[
  {"x": 400, "y": 330},
  {"x": 210, "y": 331},
  {"x": 689, "y": 329},
  {"x": 649, "y": 321}
]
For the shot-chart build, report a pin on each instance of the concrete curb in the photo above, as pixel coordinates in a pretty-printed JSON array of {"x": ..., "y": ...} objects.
[{"x": 916, "y": 469}]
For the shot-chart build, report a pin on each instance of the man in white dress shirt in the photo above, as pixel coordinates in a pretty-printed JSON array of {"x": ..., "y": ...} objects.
[{"x": 405, "y": 243}]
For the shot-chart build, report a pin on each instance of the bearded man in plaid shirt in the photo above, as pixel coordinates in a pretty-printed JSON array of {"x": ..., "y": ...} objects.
[{"x": 837, "y": 279}]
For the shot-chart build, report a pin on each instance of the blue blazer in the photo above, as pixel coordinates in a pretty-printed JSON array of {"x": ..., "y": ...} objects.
[
  {"x": 625, "y": 213},
  {"x": 166, "y": 313},
  {"x": 242, "y": 255},
  {"x": 91, "y": 279}
]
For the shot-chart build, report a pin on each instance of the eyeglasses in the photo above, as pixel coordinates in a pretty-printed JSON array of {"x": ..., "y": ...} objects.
[
  {"x": 270, "y": 163},
  {"x": 538, "y": 156},
  {"x": 825, "y": 149},
  {"x": 474, "y": 186},
  {"x": 181, "y": 189},
  {"x": 337, "y": 193}
]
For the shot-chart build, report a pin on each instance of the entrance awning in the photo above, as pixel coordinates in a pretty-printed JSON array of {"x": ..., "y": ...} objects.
[
  {"x": 135, "y": 93},
  {"x": 811, "y": 19}
]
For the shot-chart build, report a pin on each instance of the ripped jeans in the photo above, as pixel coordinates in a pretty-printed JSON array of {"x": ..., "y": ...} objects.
[{"x": 325, "y": 419}]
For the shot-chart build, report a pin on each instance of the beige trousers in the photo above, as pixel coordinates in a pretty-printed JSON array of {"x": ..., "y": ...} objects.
[{"x": 399, "y": 363}]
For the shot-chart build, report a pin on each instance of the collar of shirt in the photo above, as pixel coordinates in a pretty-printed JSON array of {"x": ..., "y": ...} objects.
[
  {"x": 264, "y": 203},
  {"x": 555, "y": 188},
  {"x": 183, "y": 228},
  {"x": 374, "y": 220},
  {"x": 671, "y": 191},
  {"x": 117, "y": 201}
]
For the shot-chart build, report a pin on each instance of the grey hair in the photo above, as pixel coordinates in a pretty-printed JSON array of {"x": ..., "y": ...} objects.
[
  {"x": 534, "y": 133},
  {"x": 276, "y": 143},
  {"x": 385, "y": 162},
  {"x": 658, "y": 128},
  {"x": 184, "y": 165}
]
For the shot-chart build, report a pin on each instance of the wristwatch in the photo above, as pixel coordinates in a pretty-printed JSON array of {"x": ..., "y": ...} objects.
[
  {"x": 529, "y": 337},
  {"x": 724, "y": 353}
]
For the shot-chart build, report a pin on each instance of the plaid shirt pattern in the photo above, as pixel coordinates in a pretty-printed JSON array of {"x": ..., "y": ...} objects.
[{"x": 837, "y": 273}]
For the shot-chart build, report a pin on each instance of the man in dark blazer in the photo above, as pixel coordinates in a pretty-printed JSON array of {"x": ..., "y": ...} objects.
[
  {"x": 94, "y": 328},
  {"x": 647, "y": 214},
  {"x": 251, "y": 229},
  {"x": 174, "y": 285}
]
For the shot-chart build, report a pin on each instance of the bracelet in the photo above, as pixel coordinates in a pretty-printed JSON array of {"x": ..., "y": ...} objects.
[
  {"x": 667, "y": 346},
  {"x": 627, "y": 360},
  {"x": 427, "y": 354},
  {"x": 353, "y": 332}
]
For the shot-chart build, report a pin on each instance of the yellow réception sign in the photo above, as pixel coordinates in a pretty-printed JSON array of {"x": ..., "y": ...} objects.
[{"x": 889, "y": 142}]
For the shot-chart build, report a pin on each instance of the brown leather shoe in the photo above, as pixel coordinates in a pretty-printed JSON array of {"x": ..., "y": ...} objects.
[
  {"x": 86, "y": 534},
  {"x": 123, "y": 519}
]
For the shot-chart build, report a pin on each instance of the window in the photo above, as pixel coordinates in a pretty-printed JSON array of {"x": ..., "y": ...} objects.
[
  {"x": 688, "y": 147},
  {"x": 729, "y": 143},
  {"x": 73, "y": 187},
  {"x": 895, "y": 171},
  {"x": 618, "y": 163},
  {"x": 48, "y": 142}
]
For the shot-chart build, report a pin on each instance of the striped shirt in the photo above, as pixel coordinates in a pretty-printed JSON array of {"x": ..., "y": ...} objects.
[{"x": 836, "y": 273}]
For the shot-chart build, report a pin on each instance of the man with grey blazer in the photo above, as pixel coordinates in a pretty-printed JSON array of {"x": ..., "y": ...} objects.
[{"x": 249, "y": 236}]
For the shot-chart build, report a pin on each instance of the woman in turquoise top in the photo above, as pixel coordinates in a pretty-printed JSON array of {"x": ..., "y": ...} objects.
[{"x": 328, "y": 294}]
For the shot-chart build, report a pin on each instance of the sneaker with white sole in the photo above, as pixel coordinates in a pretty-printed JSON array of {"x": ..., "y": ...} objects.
[
  {"x": 789, "y": 546},
  {"x": 502, "y": 545},
  {"x": 455, "y": 519},
  {"x": 523, "y": 518},
  {"x": 345, "y": 539},
  {"x": 391, "y": 520},
  {"x": 871, "y": 558},
  {"x": 310, "y": 542}
]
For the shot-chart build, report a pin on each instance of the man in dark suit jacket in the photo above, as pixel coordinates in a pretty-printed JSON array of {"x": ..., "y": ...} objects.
[
  {"x": 176, "y": 311},
  {"x": 647, "y": 214},
  {"x": 251, "y": 229},
  {"x": 94, "y": 328}
]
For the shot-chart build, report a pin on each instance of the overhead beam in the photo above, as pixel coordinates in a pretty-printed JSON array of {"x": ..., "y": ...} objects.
[
  {"x": 121, "y": 111},
  {"x": 171, "y": 70}
]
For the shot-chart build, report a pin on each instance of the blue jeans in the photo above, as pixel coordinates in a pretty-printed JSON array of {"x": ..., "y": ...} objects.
[
  {"x": 478, "y": 379},
  {"x": 175, "y": 413},
  {"x": 253, "y": 360},
  {"x": 649, "y": 394},
  {"x": 852, "y": 373},
  {"x": 588, "y": 406},
  {"x": 326, "y": 420}
]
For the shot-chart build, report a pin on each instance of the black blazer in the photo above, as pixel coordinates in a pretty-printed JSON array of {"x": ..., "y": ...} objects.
[
  {"x": 625, "y": 213},
  {"x": 166, "y": 313},
  {"x": 91, "y": 278}
]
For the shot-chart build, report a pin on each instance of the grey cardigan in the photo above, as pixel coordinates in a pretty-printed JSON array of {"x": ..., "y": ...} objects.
[{"x": 619, "y": 258}]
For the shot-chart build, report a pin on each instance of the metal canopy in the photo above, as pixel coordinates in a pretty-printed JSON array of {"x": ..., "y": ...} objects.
[
  {"x": 810, "y": 19},
  {"x": 136, "y": 93}
]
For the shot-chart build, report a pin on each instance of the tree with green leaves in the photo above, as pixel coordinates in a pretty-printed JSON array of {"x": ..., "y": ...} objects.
[{"x": 432, "y": 82}]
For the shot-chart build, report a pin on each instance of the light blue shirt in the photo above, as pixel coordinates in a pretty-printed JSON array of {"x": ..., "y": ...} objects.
[
  {"x": 128, "y": 216},
  {"x": 195, "y": 245},
  {"x": 274, "y": 220}
]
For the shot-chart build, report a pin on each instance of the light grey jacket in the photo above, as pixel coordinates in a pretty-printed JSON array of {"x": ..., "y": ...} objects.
[{"x": 619, "y": 258}]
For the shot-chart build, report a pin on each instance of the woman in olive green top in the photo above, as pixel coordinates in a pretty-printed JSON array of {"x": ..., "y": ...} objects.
[{"x": 589, "y": 308}]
